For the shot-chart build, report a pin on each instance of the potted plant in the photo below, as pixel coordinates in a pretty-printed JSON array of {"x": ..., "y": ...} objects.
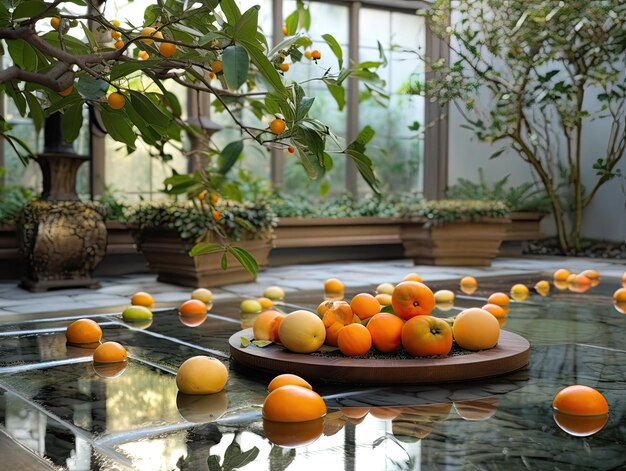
[
  {"x": 527, "y": 203},
  {"x": 216, "y": 235},
  {"x": 453, "y": 232},
  {"x": 12, "y": 199}
]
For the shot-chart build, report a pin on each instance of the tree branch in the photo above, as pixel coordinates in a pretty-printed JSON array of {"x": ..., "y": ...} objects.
[{"x": 58, "y": 78}]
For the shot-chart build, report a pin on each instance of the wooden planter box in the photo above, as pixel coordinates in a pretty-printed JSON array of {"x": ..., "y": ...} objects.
[
  {"x": 308, "y": 240},
  {"x": 462, "y": 243},
  {"x": 525, "y": 225},
  {"x": 167, "y": 255}
]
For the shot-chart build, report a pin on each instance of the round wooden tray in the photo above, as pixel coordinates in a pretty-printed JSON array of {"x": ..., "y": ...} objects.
[{"x": 510, "y": 354}]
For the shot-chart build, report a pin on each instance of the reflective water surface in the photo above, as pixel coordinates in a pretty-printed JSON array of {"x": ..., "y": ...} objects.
[{"x": 77, "y": 416}]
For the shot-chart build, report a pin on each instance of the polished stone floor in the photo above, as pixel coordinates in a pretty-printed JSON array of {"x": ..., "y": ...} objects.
[{"x": 59, "y": 411}]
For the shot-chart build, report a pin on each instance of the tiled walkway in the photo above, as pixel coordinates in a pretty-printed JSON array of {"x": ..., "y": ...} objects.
[{"x": 114, "y": 293}]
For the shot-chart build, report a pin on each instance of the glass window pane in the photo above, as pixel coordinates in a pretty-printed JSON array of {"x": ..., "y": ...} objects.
[{"x": 374, "y": 26}]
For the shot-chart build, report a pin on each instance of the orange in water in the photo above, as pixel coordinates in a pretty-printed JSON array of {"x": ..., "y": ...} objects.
[
  {"x": 561, "y": 274},
  {"x": 412, "y": 277},
  {"x": 386, "y": 331},
  {"x": 412, "y": 298},
  {"x": 354, "y": 339},
  {"x": 288, "y": 379},
  {"x": 620, "y": 295},
  {"x": 192, "y": 307},
  {"x": 109, "y": 352},
  {"x": 142, "y": 298},
  {"x": 84, "y": 332},
  {"x": 501, "y": 299},
  {"x": 580, "y": 400},
  {"x": 365, "y": 305},
  {"x": 333, "y": 285},
  {"x": 293, "y": 404},
  {"x": 468, "y": 281},
  {"x": 542, "y": 287},
  {"x": 591, "y": 274},
  {"x": 266, "y": 303},
  {"x": 494, "y": 309},
  {"x": 201, "y": 375},
  {"x": 582, "y": 280}
]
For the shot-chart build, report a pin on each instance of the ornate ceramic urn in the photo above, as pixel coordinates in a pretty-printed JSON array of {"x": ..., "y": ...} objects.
[{"x": 62, "y": 238}]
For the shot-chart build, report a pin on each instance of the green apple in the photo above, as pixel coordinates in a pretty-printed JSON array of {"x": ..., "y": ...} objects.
[
  {"x": 136, "y": 313},
  {"x": 275, "y": 293},
  {"x": 250, "y": 306}
]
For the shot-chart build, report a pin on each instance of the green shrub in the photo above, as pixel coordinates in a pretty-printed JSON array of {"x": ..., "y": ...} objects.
[
  {"x": 12, "y": 200},
  {"x": 443, "y": 211}
]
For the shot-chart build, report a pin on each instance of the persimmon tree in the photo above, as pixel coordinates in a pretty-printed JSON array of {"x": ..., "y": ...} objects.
[
  {"x": 524, "y": 74},
  {"x": 63, "y": 60}
]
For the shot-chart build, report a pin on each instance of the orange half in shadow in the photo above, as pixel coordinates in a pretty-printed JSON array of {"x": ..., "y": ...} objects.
[{"x": 580, "y": 426}]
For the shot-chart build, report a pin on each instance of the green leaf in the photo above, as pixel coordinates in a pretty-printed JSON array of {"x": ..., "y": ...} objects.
[
  {"x": 231, "y": 10},
  {"x": 151, "y": 13},
  {"x": 202, "y": 248},
  {"x": 262, "y": 343},
  {"x": 335, "y": 47},
  {"x": 5, "y": 18},
  {"x": 36, "y": 111},
  {"x": 72, "y": 121},
  {"x": 214, "y": 463},
  {"x": 23, "y": 55},
  {"x": 266, "y": 68},
  {"x": 224, "y": 262},
  {"x": 153, "y": 115},
  {"x": 70, "y": 43},
  {"x": 148, "y": 134},
  {"x": 338, "y": 93},
  {"x": 210, "y": 36},
  {"x": 247, "y": 26},
  {"x": 234, "y": 458},
  {"x": 126, "y": 68},
  {"x": 91, "y": 88},
  {"x": 388, "y": 309},
  {"x": 365, "y": 136},
  {"x": 244, "y": 341},
  {"x": 236, "y": 64},
  {"x": 291, "y": 23},
  {"x": 303, "y": 107},
  {"x": 229, "y": 156},
  {"x": 245, "y": 259},
  {"x": 364, "y": 165},
  {"x": 29, "y": 9},
  {"x": 118, "y": 126},
  {"x": 89, "y": 35}
]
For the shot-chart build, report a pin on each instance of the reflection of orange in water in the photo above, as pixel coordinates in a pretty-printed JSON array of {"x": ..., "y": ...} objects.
[
  {"x": 502, "y": 321},
  {"x": 591, "y": 274},
  {"x": 288, "y": 378},
  {"x": 291, "y": 435},
  {"x": 293, "y": 404},
  {"x": 580, "y": 426},
  {"x": 333, "y": 423},
  {"x": 408, "y": 431},
  {"x": 355, "y": 412},
  {"x": 437, "y": 412},
  {"x": 110, "y": 370},
  {"x": 579, "y": 288},
  {"x": 580, "y": 400},
  {"x": 560, "y": 284},
  {"x": 477, "y": 409},
  {"x": 192, "y": 321},
  {"x": 202, "y": 408},
  {"x": 84, "y": 332},
  {"x": 469, "y": 289},
  {"x": 385, "y": 413},
  {"x": 109, "y": 352},
  {"x": 620, "y": 307}
]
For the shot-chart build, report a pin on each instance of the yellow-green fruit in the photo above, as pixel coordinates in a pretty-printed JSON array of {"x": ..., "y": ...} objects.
[
  {"x": 136, "y": 313},
  {"x": 250, "y": 306},
  {"x": 384, "y": 288},
  {"x": 201, "y": 375},
  {"x": 444, "y": 296},
  {"x": 275, "y": 293},
  {"x": 202, "y": 294}
]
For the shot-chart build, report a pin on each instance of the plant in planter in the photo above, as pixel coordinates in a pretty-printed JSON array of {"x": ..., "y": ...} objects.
[
  {"x": 216, "y": 234},
  {"x": 453, "y": 232}
]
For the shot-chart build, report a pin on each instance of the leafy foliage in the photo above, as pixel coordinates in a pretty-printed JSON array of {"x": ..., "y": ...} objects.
[
  {"x": 444, "y": 211},
  {"x": 524, "y": 197},
  {"x": 536, "y": 67},
  {"x": 12, "y": 200}
]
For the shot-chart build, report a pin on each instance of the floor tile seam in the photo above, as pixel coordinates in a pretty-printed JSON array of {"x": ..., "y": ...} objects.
[
  {"x": 43, "y": 365},
  {"x": 77, "y": 431}
]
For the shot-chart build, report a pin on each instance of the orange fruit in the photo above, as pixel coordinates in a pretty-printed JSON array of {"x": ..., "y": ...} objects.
[
  {"x": 284, "y": 67},
  {"x": 476, "y": 329},
  {"x": 354, "y": 339},
  {"x": 116, "y": 23},
  {"x": 116, "y": 100},
  {"x": 383, "y": 299},
  {"x": 333, "y": 285},
  {"x": 412, "y": 277},
  {"x": 55, "y": 22},
  {"x": 149, "y": 31},
  {"x": 308, "y": 54},
  {"x": 285, "y": 30},
  {"x": 582, "y": 280},
  {"x": 386, "y": 331},
  {"x": 287, "y": 378},
  {"x": 109, "y": 352},
  {"x": 542, "y": 287},
  {"x": 167, "y": 49},
  {"x": 519, "y": 292},
  {"x": 292, "y": 403},
  {"x": 278, "y": 126},
  {"x": 591, "y": 274},
  {"x": 201, "y": 375},
  {"x": 143, "y": 55},
  {"x": 84, "y": 332},
  {"x": 115, "y": 34},
  {"x": 266, "y": 325},
  {"x": 365, "y": 305},
  {"x": 315, "y": 54},
  {"x": 561, "y": 274},
  {"x": 119, "y": 44},
  {"x": 620, "y": 295},
  {"x": 580, "y": 426},
  {"x": 302, "y": 331},
  {"x": 501, "y": 299},
  {"x": 412, "y": 298},
  {"x": 192, "y": 307},
  {"x": 334, "y": 318},
  {"x": 497, "y": 311},
  {"x": 202, "y": 294},
  {"x": 580, "y": 400},
  {"x": 67, "y": 91},
  {"x": 266, "y": 303},
  {"x": 217, "y": 215},
  {"x": 468, "y": 281},
  {"x": 426, "y": 335},
  {"x": 141, "y": 298},
  {"x": 293, "y": 434},
  {"x": 217, "y": 66}
]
